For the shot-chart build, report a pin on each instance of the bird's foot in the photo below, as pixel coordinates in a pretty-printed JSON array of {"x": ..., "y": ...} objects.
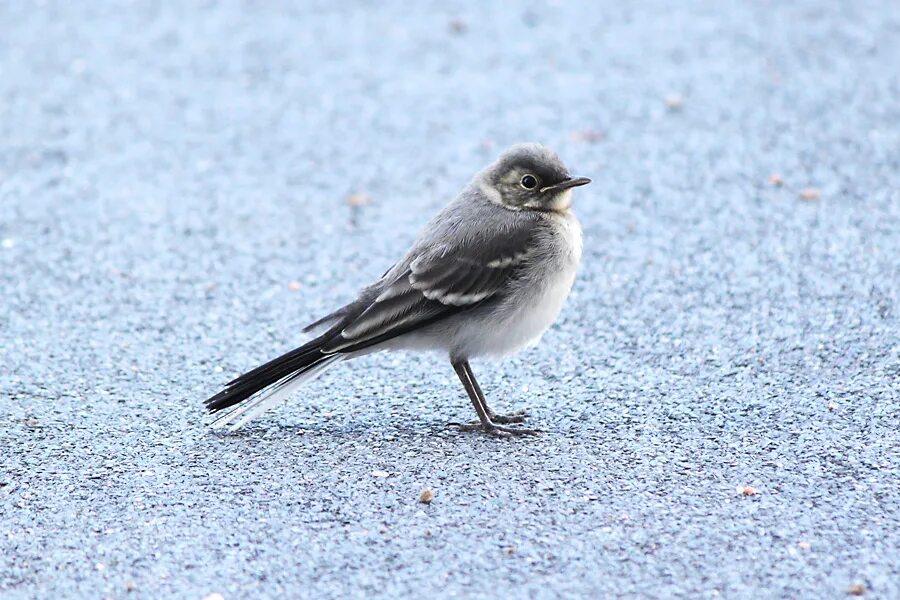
[
  {"x": 492, "y": 428},
  {"x": 518, "y": 416}
]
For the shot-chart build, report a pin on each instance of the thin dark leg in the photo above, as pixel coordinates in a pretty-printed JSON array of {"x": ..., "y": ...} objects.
[
  {"x": 463, "y": 371},
  {"x": 460, "y": 368},
  {"x": 516, "y": 417}
]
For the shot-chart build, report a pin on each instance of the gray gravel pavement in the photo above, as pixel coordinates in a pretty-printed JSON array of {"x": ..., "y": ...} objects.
[{"x": 170, "y": 176}]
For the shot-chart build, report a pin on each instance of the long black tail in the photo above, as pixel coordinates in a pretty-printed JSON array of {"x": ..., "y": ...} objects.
[{"x": 295, "y": 363}]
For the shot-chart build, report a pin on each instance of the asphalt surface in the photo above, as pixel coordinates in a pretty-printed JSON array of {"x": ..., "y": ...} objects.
[{"x": 169, "y": 178}]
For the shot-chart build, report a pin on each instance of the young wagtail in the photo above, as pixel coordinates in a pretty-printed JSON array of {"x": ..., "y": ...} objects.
[{"x": 486, "y": 277}]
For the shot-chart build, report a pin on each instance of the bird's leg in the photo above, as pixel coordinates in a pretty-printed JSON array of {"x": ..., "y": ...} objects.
[
  {"x": 474, "y": 396},
  {"x": 463, "y": 371},
  {"x": 516, "y": 417}
]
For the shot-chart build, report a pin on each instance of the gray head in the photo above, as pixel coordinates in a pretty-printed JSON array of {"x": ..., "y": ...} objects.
[{"x": 529, "y": 177}]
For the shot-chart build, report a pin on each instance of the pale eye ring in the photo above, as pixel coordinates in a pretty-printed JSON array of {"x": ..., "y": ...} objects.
[{"x": 529, "y": 181}]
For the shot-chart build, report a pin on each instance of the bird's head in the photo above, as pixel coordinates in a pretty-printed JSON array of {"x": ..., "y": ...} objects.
[{"x": 529, "y": 177}]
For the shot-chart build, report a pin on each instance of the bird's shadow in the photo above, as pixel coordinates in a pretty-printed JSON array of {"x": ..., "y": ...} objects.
[{"x": 416, "y": 432}]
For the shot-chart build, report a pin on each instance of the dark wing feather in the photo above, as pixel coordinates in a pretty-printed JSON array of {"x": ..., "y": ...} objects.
[
  {"x": 437, "y": 284},
  {"x": 347, "y": 311}
]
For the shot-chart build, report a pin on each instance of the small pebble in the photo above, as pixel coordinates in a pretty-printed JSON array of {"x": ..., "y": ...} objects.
[
  {"x": 426, "y": 496},
  {"x": 809, "y": 194},
  {"x": 358, "y": 199},
  {"x": 674, "y": 102},
  {"x": 591, "y": 136},
  {"x": 457, "y": 26}
]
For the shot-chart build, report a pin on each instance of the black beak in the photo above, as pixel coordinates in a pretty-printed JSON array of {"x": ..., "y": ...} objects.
[{"x": 568, "y": 183}]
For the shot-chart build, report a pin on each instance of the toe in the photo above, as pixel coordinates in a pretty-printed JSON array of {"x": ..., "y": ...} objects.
[
  {"x": 518, "y": 416},
  {"x": 510, "y": 418}
]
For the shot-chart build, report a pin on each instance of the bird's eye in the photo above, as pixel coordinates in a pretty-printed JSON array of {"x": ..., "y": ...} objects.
[{"x": 529, "y": 182}]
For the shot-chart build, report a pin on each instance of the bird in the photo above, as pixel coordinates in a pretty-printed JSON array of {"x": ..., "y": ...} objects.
[{"x": 486, "y": 277}]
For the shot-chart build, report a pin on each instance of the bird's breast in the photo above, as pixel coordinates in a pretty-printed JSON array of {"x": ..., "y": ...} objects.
[{"x": 536, "y": 297}]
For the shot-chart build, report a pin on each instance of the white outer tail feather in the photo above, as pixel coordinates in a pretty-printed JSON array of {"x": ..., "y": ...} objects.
[{"x": 275, "y": 395}]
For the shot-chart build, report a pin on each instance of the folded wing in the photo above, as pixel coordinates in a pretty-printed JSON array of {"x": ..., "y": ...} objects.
[{"x": 437, "y": 283}]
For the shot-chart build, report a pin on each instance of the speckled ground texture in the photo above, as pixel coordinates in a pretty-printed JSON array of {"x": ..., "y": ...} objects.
[{"x": 167, "y": 173}]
